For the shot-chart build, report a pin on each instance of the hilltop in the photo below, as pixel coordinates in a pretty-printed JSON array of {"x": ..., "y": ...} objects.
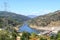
[
  {"x": 47, "y": 20},
  {"x": 14, "y": 16},
  {"x": 11, "y": 19}
]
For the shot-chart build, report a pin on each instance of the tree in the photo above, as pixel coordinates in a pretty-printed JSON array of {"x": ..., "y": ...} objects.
[
  {"x": 25, "y": 36},
  {"x": 33, "y": 36},
  {"x": 58, "y": 36},
  {"x": 14, "y": 34},
  {"x": 43, "y": 38},
  {"x": 5, "y": 35}
]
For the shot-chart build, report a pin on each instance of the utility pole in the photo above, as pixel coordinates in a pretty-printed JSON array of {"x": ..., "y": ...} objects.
[{"x": 5, "y": 9}]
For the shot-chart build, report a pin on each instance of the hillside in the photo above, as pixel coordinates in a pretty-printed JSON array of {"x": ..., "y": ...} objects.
[
  {"x": 14, "y": 16},
  {"x": 47, "y": 20},
  {"x": 11, "y": 19}
]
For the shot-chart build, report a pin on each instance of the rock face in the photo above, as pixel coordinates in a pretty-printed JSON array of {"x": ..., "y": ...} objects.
[{"x": 48, "y": 20}]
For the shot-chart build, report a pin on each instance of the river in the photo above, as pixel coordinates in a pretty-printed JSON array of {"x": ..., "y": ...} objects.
[{"x": 26, "y": 28}]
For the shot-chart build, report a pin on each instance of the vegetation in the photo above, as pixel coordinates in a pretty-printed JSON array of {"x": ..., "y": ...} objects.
[
  {"x": 33, "y": 36},
  {"x": 20, "y": 18},
  {"x": 8, "y": 22},
  {"x": 7, "y": 35},
  {"x": 9, "y": 19},
  {"x": 51, "y": 19},
  {"x": 25, "y": 36},
  {"x": 58, "y": 36}
]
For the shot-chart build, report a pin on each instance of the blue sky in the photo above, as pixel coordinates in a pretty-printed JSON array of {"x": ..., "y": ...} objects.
[{"x": 31, "y": 7}]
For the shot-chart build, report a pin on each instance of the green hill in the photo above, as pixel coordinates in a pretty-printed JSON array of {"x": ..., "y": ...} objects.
[
  {"x": 11, "y": 19},
  {"x": 50, "y": 19}
]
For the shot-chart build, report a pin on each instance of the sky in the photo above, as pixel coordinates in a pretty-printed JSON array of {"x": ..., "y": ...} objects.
[{"x": 30, "y": 7}]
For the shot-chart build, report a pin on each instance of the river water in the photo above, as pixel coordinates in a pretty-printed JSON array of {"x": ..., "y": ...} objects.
[{"x": 26, "y": 28}]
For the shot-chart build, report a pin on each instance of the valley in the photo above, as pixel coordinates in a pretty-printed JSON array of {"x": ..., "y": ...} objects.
[{"x": 14, "y": 24}]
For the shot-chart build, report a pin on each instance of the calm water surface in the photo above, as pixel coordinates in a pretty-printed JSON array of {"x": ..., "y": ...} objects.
[{"x": 26, "y": 28}]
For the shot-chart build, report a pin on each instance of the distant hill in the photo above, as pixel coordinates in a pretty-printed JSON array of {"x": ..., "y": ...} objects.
[
  {"x": 32, "y": 16},
  {"x": 11, "y": 19},
  {"x": 14, "y": 16},
  {"x": 48, "y": 20}
]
